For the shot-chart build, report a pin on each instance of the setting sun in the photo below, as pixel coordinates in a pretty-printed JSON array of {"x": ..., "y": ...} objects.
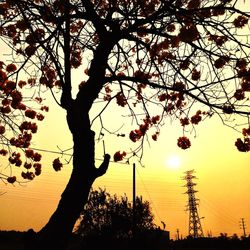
[{"x": 173, "y": 162}]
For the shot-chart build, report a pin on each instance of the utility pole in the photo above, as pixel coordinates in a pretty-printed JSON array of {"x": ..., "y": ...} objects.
[
  {"x": 178, "y": 233},
  {"x": 243, "y": 226},
  {"x": 134, "y": 201},
  {"x": 195, "y": 228}
]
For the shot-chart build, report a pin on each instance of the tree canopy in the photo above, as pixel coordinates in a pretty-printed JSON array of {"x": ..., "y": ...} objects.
[
  {"x": 184, "y": 59},
  {"x": 156, "y": 59}
]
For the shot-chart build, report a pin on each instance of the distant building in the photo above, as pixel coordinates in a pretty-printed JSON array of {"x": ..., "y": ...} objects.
[{"x": 156, "y": 237}]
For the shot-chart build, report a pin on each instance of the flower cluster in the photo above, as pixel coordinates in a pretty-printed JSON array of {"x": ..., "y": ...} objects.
[
  {"x": 76, "y": 58},
  {"x": 28, "y": 126},
  {"x": 49, "y": 76},
  {"x": 33, "y": 155},
  {"x": 239, "y": 94},
  {"x": 221, "y": 61},
  {"x": 228, "y": 108},
  {"x": 218, "y": 40},
  {"x": 188, "y": 33},
  {"x": 11, "y": 179},
  {"x": 244, "y": 145},
  {"x": 137, "y": 134},
  {"x": 195, "y": 119},
  {"x": 30, "y": 113},
  {"x": 195, "y": 75},
  {"x": 22, "y": 141},
  {"x": 28, "y": 175},
  {"x": 57, "y": 165},
  {"x": 184, "y": 121},
  {"x": 11, "y": 68},
  {"x": 107, "y": 96},
  {"x": 240, "y": 21},
  {"x": 3, "y": 152},
  {"x": 11, "y": 103},
  {"x": 183, "y": 142},
  {"x": 15, "y": 159},
  {"x": 121, "y": 99},
  {"x": 193, "y": 4},
  {"x": 118, "y": 156},
  {"x": 174, "y": 100},
  {"x": 243, "y": 71},
  {"x": 184, "y": 64},
  {"x": 155, "y": 136}
]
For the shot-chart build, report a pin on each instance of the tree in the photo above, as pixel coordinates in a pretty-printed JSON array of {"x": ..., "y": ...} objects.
[
  {"x": 185, "y": 59},
  {"x": 106, "y": 214}
]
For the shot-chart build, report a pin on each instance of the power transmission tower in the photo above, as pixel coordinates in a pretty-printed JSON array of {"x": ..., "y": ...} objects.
[
  {"x": 243, "y": 226},
  {"x": 195, "y": 228}
]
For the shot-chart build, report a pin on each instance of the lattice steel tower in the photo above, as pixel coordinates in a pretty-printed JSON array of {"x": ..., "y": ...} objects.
[{"x": 195, "y": 228}]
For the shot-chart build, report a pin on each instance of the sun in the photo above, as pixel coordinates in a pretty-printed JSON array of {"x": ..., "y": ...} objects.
[{"x": 173, "y": 162}]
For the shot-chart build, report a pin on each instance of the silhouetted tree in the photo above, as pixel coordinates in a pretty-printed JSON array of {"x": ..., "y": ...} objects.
[
  {"x": 105, "y": 214},
  {"x": 154, "y": 58}
]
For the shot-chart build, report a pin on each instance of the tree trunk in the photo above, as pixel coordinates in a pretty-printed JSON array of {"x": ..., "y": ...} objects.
[{"x": 56, "y": 234}]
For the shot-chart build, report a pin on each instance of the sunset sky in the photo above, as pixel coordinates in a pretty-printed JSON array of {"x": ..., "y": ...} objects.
[{"x": 223, "y": 174}]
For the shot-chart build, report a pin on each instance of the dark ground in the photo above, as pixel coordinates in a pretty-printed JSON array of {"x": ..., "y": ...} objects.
[{"x": 12, "y": 240}]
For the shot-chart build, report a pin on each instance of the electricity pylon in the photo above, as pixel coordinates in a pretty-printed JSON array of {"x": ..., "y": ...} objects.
[
  {"x": 243, "y": 226},
  {"x": 195, "y": 228}
]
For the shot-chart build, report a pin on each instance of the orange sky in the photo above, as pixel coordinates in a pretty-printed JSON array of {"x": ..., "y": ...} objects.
[{"x": 223, "y": 177}]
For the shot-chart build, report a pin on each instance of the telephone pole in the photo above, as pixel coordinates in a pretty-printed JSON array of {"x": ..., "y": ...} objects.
[
  {"x": 195, "y": 228},
  {"x": 134, "y": 201},
  {"x": 177, "y": 234},
  {"x": 243, "y": 226}
]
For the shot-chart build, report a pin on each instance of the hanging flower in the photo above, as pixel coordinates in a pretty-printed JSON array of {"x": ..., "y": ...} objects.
[
  {"x": 196, "y": 75},
  {"x": 239, "y": 94},
  {"x": 220, "y": 62},
  {"x": 228, "y": 108},
  {"x": 240, "y": 21},
  {"x": 243, "y": 145},
  {"x": 195, "y": 119},
  {"x": 121, "y": 99},
  {"x": 184, "y": 121},
  {"x": 118, "y": 156},
  {"x": 135, "y": 135},
  {"x": 183, "y": 142},
  {"x": 38, "y": 168},
  {"x": 11, "y": 68},
  {"x": 57, "y": 165},
  {"x": 188, "y": 34},
  {"x": 155, "y": 137},
  {"x": 11, "y": 179},
  {"x": 2, "y": 130},
  {"x": 27, "y": 165},
  {"x": 30, "y": 113},
  {"x": 246, "y": 131},
  {"x": 3, "y": 152}
]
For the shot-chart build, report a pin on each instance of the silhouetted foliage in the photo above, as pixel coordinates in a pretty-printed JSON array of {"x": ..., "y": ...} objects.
[
  {"x": 107, "y": 214},
  {"x": 222, "y": 242}
]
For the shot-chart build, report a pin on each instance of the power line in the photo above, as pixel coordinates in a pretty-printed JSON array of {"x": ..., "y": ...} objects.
[{"x": 149, "y": 196}]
